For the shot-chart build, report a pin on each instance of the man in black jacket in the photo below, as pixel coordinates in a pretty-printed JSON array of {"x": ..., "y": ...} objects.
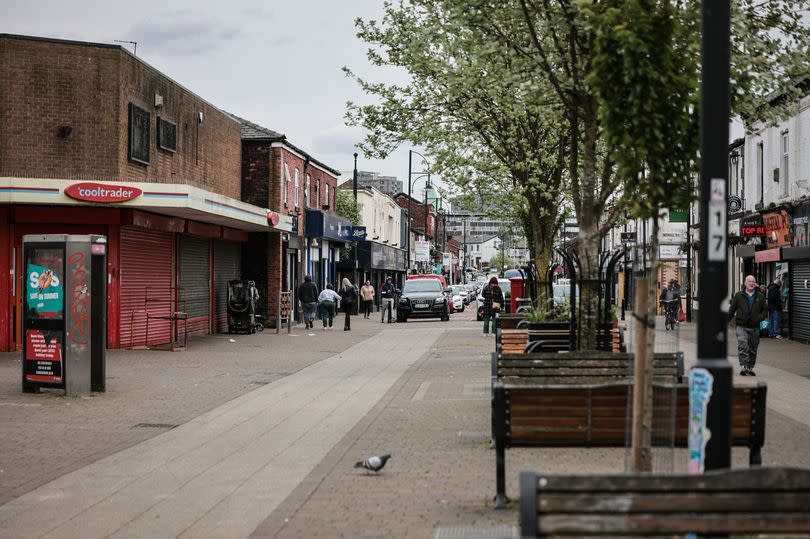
[
  {"x": 775, "y": 309},
  {"x": 308, "y": 296},
  {"x": 748, "y": 308}
]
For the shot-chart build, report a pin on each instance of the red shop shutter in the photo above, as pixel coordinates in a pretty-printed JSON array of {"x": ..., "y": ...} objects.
[
  {"x": 146, "y": 286},
  {"x": 227, "y": 257}
]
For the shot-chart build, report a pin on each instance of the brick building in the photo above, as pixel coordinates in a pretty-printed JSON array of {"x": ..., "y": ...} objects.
[
  {"x": 278, "y": 175},
  {"x": 83, "y": 120}
]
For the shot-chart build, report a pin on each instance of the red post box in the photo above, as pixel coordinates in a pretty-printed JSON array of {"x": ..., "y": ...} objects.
[{"x": 517, "y": 292}]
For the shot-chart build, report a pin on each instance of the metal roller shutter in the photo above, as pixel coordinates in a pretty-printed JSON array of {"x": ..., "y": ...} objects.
[
  {"x": 146, "y": 286},
  {"x": 800, "y": 300},
  {"x": 227, "y": 256},
  {"x": 195, "y": 279}
]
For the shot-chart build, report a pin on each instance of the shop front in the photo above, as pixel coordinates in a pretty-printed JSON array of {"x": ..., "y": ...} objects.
[
  {"x": 798, "y": 257},
  {"x": 376, "y": 262},
  {"x": 324, "y": 245},
  {"x": 172, "y": 248}
]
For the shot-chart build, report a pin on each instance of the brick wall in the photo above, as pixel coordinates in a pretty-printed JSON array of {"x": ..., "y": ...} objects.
[
  {"x": 47, "y": 84},
  {"x": 256, "y": 167}
]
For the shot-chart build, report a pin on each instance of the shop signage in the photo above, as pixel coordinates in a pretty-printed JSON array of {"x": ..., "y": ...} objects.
[
  {"x": 777, "y": 228},
  {"x": 735, "y": 204},
  {"x": 99, "y": 192},
  {"x": 273, "y": 218},
  {"x": 768, "y": 255},
  {"x": 670, "y": 252},
  {"x": 352, "y": 233},
  {"x": 678, "y": 216},
  {"x": 801, "y": 226},
  {"x": 422, "y": 251},
  {"x": 628, "y": 237},
  {"x": 752, "y": 227}
]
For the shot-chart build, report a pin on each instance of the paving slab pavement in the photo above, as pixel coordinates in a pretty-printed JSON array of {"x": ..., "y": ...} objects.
[{"x": 221, "y": 473}]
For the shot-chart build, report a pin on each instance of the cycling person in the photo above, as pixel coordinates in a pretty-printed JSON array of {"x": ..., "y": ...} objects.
[{"x": 670, "y": 299}]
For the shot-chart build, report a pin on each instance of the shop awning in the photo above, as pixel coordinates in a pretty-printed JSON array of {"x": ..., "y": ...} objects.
[{"x": 174, "y": 200}]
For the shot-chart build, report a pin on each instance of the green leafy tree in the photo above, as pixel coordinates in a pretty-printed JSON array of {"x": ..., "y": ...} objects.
[
  {"x": 486, "y": 122},
  {"x": 501, "y": 261}
]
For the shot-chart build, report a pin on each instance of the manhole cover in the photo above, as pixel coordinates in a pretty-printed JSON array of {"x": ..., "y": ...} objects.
[
  {"x": 154, "y": 426},
  {"x": 498, "y": 532}
]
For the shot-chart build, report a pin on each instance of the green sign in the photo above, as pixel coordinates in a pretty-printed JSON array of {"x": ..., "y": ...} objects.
[
  {"x": 678, "y": 216},
  {"x": 45, "y": 292}
]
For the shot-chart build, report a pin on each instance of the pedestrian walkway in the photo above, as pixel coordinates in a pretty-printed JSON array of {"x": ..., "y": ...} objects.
[{"x": 222, "y": 473}]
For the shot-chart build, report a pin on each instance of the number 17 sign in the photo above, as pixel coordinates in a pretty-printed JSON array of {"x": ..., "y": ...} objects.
[{"x": 716, "y": 250}]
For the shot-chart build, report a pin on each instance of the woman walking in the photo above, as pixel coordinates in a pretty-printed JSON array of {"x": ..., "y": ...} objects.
[
  {"x": 366, "y": 298},
  {"x": 493, "y": 303},
  {"x": 348, "y": 295},
  {"x": 328, "y": 300}
]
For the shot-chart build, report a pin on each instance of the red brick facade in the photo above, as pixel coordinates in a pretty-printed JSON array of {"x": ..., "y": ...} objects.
[
  {"x": 50, "y": 84},
  {"x": 421, "y": 213}
]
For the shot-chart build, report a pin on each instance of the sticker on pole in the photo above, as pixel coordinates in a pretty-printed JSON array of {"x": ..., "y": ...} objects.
[
  {"x": 716, "y": 249},
  {"x": 700, "y": 392}
]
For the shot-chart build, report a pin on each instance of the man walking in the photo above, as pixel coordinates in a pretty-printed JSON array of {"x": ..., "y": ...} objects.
[
  {"x": 308, "y": 296},
  {"x": 775, "y": 309},
  {"x": 387, "y": 293},
  {"x": 748, "y": 308}
]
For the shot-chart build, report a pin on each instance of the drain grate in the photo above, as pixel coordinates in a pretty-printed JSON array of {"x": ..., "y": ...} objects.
[
  {"x": 474, "y": 435},
  {"x": 477, "y": 389},
  {"x": 497, "y": 532},
  {"x": 155, "y": 426}
]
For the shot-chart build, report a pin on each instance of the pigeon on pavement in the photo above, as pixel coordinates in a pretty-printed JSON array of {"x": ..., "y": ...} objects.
[{"x": 375, "y": 464}]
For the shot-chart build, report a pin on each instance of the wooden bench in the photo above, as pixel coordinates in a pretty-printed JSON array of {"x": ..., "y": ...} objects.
[
  {"x": 510, "y": 321},
  {"x": 511, "y": 341},
  {"x": 737, "y": 502},
  {"x": 597, "y": 416},
  {"x": 579, "y": 368}
]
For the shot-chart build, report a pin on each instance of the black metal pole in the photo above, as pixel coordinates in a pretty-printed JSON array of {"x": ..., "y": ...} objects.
[
  {"x": 354, "y": 190},
  {"x": 410, "y": 155},
  {"x": 689, "y": 265},
  {"x": 712, "y": 352}
]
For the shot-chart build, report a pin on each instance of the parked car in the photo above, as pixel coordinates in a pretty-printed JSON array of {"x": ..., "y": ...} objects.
[
  {"x": 423, "y": 298},
  {"x": 457, "y": 304},
  {"x": 506, "y": 288},
  {"x": 461, "y": 290}
]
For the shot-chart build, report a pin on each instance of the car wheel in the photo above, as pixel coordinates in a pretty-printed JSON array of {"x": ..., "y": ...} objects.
[{"x": 402, "y": 319}]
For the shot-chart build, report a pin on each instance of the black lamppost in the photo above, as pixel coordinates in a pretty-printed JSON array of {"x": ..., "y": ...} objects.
[
  {"x": 354, "y": 191},
  {"x": 410, "y": 186}
]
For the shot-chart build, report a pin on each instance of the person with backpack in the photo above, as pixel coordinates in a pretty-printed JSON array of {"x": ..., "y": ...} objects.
[
  {"x": 348, "y": 294},
  {"x": 493, "y": 303},
  {"x": 748, "y": 309}
]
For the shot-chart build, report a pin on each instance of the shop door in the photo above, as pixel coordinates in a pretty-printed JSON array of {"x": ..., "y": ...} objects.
[
  {"x": 194, "y": 283},
  {"x": 146, "y": 288},
  {"x": 800, "y": 300},
  {"x": 227, "y": 256}
]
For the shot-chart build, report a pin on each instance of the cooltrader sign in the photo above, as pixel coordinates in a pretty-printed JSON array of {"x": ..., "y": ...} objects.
[{"x": 98, "y": 192}]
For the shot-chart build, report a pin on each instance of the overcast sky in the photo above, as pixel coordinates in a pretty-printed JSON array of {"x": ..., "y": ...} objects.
[{"x": 275, "y": 63}]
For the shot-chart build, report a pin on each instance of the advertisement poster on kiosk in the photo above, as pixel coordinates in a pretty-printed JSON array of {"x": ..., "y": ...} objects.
[{"x": 45, "y": 308}]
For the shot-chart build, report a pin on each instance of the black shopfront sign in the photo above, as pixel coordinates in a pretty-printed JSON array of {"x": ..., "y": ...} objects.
[{"x": 752, "y": 227}]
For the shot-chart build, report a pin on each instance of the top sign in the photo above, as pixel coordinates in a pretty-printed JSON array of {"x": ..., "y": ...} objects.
[
  {"x": 99, "y": 192},
  {"x": 752, "y": 227}
]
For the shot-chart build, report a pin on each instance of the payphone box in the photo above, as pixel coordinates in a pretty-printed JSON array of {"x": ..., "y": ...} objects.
[{"x": 61, "y": 299}]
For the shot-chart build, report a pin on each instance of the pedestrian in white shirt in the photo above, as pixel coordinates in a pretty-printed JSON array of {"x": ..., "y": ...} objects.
[{"x": 327, "y": 303}]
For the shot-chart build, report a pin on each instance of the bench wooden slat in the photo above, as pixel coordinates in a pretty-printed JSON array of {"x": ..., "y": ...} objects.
[
  {"x": 641, "y": 525},
  {"x": 597, "y": 415},
  {"x": 666, "y": 503},
  {"x": 759, "y": 500}
]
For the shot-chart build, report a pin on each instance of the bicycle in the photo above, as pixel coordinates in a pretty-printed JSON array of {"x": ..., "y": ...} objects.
[{"x": 670, "y": 314}]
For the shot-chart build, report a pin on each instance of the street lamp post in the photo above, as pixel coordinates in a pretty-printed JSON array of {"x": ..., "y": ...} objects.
[
  {"x": 410, "y": 186},
  {"x": 354, "y": 191}
]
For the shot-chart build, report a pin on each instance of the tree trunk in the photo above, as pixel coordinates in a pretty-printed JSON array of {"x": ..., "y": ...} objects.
[
  {"x": 543, "y": 231},
  {"x": 589, "y": 288}
]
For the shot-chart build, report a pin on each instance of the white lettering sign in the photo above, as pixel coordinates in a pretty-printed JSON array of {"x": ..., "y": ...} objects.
[{"x": 716, "y": 250}]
